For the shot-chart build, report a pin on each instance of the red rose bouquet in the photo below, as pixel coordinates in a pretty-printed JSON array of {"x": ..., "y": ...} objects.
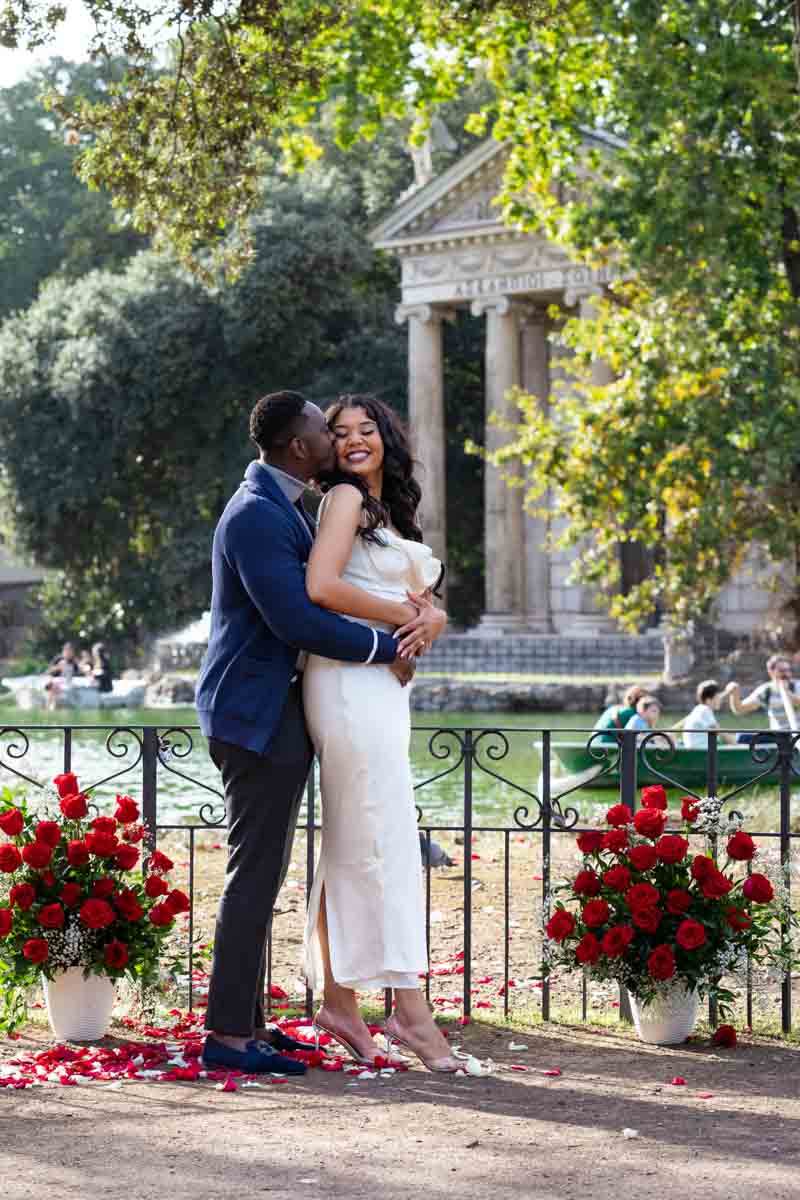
[
  {"x": 72, "y": 894},
  {"x": 646, "y": 911}
]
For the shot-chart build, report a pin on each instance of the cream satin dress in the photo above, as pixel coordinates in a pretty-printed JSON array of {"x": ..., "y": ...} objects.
[{"x": 370, "y": 865}]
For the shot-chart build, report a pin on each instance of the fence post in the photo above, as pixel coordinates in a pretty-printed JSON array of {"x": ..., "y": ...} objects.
[
  {"x": 310, "y": 796},
  {"x": 627, "y": 795},
  {"x": 712, "y": 770},
  {"x": 149, "y": 787},
  {"x": 468, "y": 754},
  {"x": 785, "y": 750},
  {"x": 546, "y": 847}
]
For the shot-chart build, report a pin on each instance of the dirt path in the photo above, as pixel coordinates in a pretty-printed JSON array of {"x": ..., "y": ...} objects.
[{"x": 512, "y": 1133}]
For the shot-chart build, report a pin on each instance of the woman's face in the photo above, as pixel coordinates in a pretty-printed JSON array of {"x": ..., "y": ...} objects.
[{"x": 359, "y": 446}]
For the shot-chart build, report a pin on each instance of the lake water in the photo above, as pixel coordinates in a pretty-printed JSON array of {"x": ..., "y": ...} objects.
[{"x": 38, "y": 752}]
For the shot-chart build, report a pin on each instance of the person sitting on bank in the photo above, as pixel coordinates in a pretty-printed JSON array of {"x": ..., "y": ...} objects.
[
  {"x": 617, "y": 716},
  {"x": 778, "y": 698},
  {"x": 704, "y": 716},
  {"x": 645, "y": 719},
  {"x": 62, "y": 670}
]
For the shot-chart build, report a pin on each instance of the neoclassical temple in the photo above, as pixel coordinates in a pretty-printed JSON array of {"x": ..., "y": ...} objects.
[{"x": 455, "y": 252}]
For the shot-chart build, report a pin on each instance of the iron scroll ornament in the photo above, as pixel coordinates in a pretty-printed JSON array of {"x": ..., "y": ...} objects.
[
  {"x": 16, "y": 750},
  {"x": 496, "y": 750},
  {"x": 167, "y": 749},
  {"x": 118, "y": 748}
]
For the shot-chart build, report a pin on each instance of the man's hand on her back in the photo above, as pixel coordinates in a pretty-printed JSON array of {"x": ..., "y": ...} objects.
[{"x": 403, "y": 670}]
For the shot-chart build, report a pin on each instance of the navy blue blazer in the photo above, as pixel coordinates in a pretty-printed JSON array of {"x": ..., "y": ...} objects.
[{"x": 261, "y": 616}]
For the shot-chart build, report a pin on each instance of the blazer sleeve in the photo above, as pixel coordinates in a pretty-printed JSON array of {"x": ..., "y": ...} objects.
[{"x": 269, "y": 563}]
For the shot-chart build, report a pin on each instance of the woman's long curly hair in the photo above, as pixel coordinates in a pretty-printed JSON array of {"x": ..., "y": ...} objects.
[{"x": 401, "y": 492}]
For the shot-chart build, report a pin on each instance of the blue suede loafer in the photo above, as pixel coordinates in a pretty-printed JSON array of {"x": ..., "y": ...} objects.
[
  {"x": 257, "y": 1059},
  {"x": 281, "y": 1041}
]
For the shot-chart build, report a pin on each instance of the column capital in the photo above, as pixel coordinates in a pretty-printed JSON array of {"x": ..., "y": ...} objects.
[
  {"x": 582, "y": 291},
  {"x": 502, "y": 305},
  {"x": 425, "y": 313}
]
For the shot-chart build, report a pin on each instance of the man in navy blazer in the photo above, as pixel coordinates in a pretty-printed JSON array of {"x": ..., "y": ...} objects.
[{"x": 249, "y": 703}]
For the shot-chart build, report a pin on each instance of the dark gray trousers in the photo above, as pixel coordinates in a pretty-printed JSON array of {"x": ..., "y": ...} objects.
[{"x": 263, "y": 794}]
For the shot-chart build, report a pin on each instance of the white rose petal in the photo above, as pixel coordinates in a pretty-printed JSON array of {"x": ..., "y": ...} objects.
[{"x": 630, "y": 1133}]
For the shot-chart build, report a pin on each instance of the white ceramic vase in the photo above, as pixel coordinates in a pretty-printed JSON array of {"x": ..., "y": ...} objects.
[
  {"x": 667, "y": 1020},
  {"x": 78, "y": 1007}
]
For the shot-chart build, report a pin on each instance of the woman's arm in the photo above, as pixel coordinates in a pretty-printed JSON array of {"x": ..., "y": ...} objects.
[{"x": 331, "y": 552}]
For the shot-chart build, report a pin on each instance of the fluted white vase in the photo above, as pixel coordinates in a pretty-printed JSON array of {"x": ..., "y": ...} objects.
[
  {"x": 667, "y": 1020},
  {"x": 78, "y": 1007}
]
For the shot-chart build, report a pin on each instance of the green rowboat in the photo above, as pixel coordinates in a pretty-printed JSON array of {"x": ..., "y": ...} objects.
[{"x": 689, "y": 768}]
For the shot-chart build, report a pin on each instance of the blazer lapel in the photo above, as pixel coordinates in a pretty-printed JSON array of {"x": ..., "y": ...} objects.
[{"x": 259, "y": 480}]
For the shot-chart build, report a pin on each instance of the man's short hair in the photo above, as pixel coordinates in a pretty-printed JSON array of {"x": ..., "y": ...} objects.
[
  {"x": 274, "y": 420},
  {"x": 645, "y": 702},
  {"x": 706, "y": 690},
  {"x": 774, "y": 659}
]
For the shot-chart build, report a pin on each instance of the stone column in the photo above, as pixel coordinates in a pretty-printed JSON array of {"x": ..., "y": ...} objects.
[
  {"x": 426, "y": 415},
  {"x": 589, "y": 618},
  {"x": 536, "y": 381},
  {"x": 503, "y": 506}
]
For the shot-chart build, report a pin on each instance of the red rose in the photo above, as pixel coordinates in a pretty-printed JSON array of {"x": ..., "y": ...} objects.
[
  {"x": 128, "y": 905},
  {"x": 12, "y": 822},
  {"x": 160, "y": 862},
  {"x": 6, "y": 921},
  {"x": 35, "y": 950},
  {"x": 126, "y": 858},
  {"x": 154, "y": 886},
  {"x": 102, "y": 844},
  {"x": 178, "y": 901},
  {"x": 586, "y": 884},
  {"x": 103, "y": 888},
  {"x": 22, "y": 895},
  {"x": 37, "y": 855},
  {"x": 67, "y": 784},
  {"x": 560, "y": 925},
  {"x": 48, "y": 832},
  {"x": 133, "y": 833},
  {"x": 619, "y": 814},
  {"x": 650, "y": 822},
  {"x": 616, "y": 840},
  {"x": 74, "y": 807},
  {"x": 77, "y": 853},
  {"x": 587, "y": 950},
  {"x": 691, "y": 935},
  {"x": 647, "y": 919},
  {"x": 127, "y": 810},
  {"x": 690, "y": 810},
  {"x": 103, "y": 825},
  {"x": 162, "y": 914},
  {"x": 642, "y": 895},
  {"x": 595, "y": 913},
  {"x": 715, "y": 885},
  {"x": 96, "y": 914},
  {"x": 617, "y": 878},
  {"x": 51, "y": 916},
  {"x": 654, "y": 796},
  {"x": 678, "y": 902},
  {"x": 116, "y": 955},
  {"x": 741, "y": 847},
  {"x": 616, "y": 940},
  {"x": 589, "y": 842},
  {"x": 10, "y": 858},
  {"x": 758, "y": 889},
  {"x": 642, "y": 858},
  {"x": 661, "y": 963},
  {"x": 70, "y": 894},
  {"x": 725, "y": 1036},
  {"x": 671, "y": 848},
  {"x": 738, "y": 919},
  {"x": 702, "y": 865},
  {"x": 48, "y": 879}
]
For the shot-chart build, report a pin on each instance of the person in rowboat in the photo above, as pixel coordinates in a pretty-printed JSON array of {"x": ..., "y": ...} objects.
[
  {"x": 704, "y": 715},
  {"x": 616, "y": 716},
  {"x": 779, "y": 698}
]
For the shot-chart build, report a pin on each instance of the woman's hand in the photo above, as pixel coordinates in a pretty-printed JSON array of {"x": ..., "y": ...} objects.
[{"x": 417, "y": 635}]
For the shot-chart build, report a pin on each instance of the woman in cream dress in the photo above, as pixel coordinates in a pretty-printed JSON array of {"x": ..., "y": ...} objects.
[{"x": 366, "y": 920}]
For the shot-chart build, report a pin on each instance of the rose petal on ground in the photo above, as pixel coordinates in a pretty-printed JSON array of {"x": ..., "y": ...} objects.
[
  {"x": 630, "y": 1133},
  {"x": 705, "y": 1095},
  {"x": 554, "y": 1071},
  {"x": 517, "y": 1046},
  {"x": 678, "y": 1081}
]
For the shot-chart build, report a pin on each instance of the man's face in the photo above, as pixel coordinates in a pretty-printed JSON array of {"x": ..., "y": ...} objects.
[
  {"x": 319, "y": 440},
  {"x": 68, "y": 650},
  {"x": 782, "y": 669}
]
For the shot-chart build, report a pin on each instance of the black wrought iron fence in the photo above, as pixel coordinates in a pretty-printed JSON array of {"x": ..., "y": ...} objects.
[{"x": 540, "y": 805}]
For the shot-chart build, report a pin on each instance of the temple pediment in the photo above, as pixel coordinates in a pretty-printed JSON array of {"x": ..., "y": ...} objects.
[{"x": 454, "y": 247}]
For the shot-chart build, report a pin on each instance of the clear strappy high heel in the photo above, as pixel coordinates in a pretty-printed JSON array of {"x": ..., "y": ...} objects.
[
  {"x": 320, "y": 1027},
  {"x": 439, "y": 1066}
]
